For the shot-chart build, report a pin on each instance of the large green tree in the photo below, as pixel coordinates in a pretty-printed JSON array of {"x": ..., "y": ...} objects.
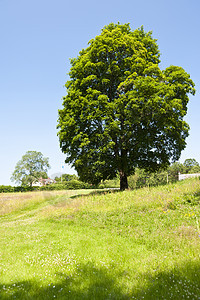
[
  {"x": 191, "y": 166},
  {"x": 121, "y": 110},
  {"x": 30, "y": 168}
]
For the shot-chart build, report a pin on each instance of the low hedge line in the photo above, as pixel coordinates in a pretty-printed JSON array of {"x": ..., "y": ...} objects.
[
  {"x": 15, "y": 189},
  {"x": 70, "y": 185}
]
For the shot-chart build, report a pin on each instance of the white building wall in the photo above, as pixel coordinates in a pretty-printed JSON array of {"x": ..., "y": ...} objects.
[{"x": 186, "y": 176}]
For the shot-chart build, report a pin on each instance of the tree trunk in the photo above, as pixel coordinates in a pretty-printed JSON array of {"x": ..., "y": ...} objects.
[{"x": 123, "y": 181}]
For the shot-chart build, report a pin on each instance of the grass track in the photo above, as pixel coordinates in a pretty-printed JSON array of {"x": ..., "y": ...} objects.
[{"x": 142, "y": 244}]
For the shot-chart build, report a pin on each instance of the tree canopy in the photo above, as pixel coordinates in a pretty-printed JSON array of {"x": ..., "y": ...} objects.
[
  {"x": 30, "y": 168},
  {"x": 121, "y": 110},
  {"x": 191, "y": 166}
]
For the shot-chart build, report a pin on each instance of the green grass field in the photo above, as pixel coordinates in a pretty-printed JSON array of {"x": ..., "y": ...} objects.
[{"x": 141, "y": 244}]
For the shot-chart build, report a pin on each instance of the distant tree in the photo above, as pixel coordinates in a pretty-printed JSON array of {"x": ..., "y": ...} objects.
[
  {"x": 66, "y": 177},
  {"x": 191, "y": 166},
  {"x": 194, "y": 169},
  {"x": 121, "y": 111},
  {"x": 30, "y": 168},
  {"x": 174, "y": 169},
  {"x": 142, "y": 178},
  {"x": 69, "y": 177}
]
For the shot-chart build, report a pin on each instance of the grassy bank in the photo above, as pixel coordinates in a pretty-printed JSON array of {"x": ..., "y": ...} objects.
[{"x": 141, "y": 244}]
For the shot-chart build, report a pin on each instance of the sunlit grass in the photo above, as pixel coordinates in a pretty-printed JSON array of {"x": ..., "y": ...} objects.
[
  {"x": 141, "y": 244},
  {"x": 17, "y": 202}
]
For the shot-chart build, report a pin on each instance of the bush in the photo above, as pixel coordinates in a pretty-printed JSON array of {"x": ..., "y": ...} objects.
[
  {"x": 76, "y": 184},
  {"x": 67, "y": 185},
  {"x": 142, "y": 178},
  {"x": 6, "y": 189},
  {"x": 113, "y": 183},
  {"x": 15, "y": 189},
  {"x": 25, "y": 188}
]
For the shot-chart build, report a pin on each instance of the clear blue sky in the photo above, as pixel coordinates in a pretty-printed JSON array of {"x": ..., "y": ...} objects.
[{"x": 37, "y": 39}]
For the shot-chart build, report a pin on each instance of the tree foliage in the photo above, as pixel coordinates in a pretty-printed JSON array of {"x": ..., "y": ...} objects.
[
  {"x": 121, "y": 110},
  {"x": 175, "y": 169},
  {"x": 191, "y": 166},
  {"x": 66, "y": 178},
  {"x": 30, "y": 168},
  {"x": 143, "y": 178}
]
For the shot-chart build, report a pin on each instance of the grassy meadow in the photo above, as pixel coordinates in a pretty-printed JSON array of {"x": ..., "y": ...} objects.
[{"x": 140, "y": 244}]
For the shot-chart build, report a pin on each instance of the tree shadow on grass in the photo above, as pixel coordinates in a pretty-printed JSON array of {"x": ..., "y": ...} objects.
[
  {"x": 97, "y": 192},
  {"x": 91, "y": 283},
  {"x": 87, "y": 282},
  {"x": 181, "y": 283}
]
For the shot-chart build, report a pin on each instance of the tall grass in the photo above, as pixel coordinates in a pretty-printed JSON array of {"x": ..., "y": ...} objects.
[{"x": 141, "y": 244}]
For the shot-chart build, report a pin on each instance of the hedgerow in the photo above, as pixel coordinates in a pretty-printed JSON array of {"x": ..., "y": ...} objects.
[{"x": 69, "y": 185}]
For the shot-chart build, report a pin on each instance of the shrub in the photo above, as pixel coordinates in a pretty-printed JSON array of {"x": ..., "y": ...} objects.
[
  {"x": 142, "y": 178},
  {"x": 16, "y": 189},
  {"x": 6, "y": 189},
  {"x": 113, "y": 183},
  {"x": 67, "y": 185}
]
